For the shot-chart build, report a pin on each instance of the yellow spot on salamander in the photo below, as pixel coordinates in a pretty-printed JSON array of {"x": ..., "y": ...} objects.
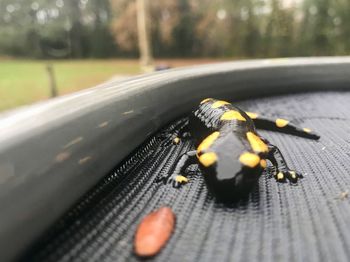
[
  {"x": 307, "y": 130},
  {"x": 256, "y": 143},
  {"x": 280, "y": 176},
  {"x": 281, "y": 122},
  {"x": 293, "y": 174},
  {"x": 232, "y": 114},
  {"x": 181, "y": 179},
  {"x": 207, "y": 142},
  {"x": 219, "y": 103},
  {"x": 249, "y": 159},
  {"x": 205, "y": 100},
  {"x": 176, "y": 140},
  {"x": 263, "y": 163},
  {"x": 252, "y": 115},
  {"x": 208, "y": 159}
]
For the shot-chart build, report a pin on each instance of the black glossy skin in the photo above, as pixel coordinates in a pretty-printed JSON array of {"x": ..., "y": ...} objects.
[{"x": 227, "y": 177}]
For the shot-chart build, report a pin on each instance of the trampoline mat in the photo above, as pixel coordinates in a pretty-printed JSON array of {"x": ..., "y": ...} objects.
[{"x": 279, "y": 221}]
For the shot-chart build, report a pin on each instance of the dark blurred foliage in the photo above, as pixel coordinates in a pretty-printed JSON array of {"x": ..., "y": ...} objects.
[
  {"x": 182, "y": 28},
  {"x": 56, "y": 28}
]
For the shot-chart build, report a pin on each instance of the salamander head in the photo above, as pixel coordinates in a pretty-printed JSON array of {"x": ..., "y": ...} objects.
[{"x": 230, "y": 171}]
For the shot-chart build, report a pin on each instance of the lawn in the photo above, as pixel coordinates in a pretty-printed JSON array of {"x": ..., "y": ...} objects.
[{"x": 26, "y": 81}]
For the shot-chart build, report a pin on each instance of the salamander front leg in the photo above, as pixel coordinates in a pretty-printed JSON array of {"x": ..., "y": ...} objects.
[
  {"x": 282, "y": 170},
  {"x": 177, "y": 178}
]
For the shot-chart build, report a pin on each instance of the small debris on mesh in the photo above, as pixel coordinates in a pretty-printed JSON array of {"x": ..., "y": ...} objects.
[
  {"x": 343, "y": 195},
  {"x": 154, "y": 231},
  {"x": 176, "y": 140}
]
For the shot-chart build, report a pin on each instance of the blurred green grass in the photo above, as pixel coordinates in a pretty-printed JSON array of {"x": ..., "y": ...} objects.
[{"x": 25, "y": 81}]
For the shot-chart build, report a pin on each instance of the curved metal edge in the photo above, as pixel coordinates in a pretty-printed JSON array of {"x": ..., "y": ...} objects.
[{"x": 51, "y": 153}]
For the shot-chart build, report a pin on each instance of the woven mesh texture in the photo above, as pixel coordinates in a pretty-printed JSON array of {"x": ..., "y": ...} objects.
[{"x": 279, "y": 222}]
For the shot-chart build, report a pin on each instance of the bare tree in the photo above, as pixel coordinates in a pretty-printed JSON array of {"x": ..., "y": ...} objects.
[{"x": 146, "y": 59}]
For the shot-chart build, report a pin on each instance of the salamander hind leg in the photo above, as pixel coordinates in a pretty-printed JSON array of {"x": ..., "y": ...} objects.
[{"x": 282, "y": 172}]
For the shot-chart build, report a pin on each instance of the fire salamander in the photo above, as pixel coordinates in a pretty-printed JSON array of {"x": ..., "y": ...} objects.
[{"x": 230, "y": 152}]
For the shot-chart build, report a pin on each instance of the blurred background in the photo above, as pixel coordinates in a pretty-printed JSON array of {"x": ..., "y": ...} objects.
[{"x": 54, "y": 47}]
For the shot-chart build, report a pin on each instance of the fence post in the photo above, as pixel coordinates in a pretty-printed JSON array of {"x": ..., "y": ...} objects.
[
  {"x": 143, "y": 20},
  {"x": 52, "y": 80}
]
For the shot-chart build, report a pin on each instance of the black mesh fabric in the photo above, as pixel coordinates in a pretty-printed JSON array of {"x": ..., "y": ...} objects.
[{"x": 279, "y": 222}]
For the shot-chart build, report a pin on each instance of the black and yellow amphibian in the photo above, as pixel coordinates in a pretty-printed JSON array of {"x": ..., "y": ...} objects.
[{"x": 230, "y": 152}]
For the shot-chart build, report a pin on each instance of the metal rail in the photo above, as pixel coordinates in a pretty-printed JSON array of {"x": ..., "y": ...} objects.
[{"x": 51, "y": 153}]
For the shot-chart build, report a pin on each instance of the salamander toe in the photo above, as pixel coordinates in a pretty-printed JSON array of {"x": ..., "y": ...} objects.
[
  {"x": 177, "y": 180},
  {"x": 283, "y": 176}
]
